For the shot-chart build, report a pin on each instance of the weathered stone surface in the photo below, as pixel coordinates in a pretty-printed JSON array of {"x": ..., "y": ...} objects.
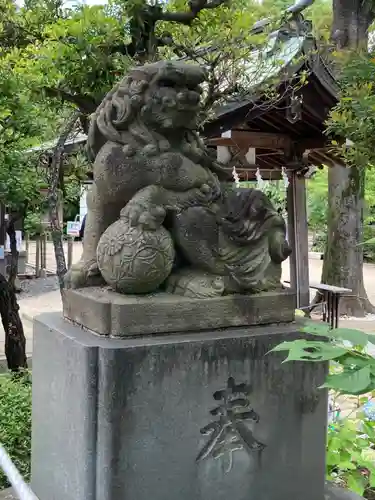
[
  {"x": 242, "y": 239},
  {"x": 334, "y": 493},
  {"x": 132, "y": 418},
  {"x": 70, "y": 435},
  {"x": 109, "y": 313},
  {"x": 133, "y": 259},
  {"x": 90, "y": 308}
]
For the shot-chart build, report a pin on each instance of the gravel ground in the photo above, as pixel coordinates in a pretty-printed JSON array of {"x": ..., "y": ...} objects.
[{"x": 35, "y": 287}]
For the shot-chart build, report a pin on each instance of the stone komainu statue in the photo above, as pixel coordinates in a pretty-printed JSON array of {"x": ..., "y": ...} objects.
[{"x": 158, "y": 216}]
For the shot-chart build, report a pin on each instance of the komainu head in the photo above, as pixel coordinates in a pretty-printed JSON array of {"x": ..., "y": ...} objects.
[{"x": 151, "y": 104}]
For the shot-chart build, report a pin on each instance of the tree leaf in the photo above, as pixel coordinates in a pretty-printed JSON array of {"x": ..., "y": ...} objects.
[
  {"x": 356, "y": 337},
  {"x": 371, "y": 241},
  {"x": 371, "y": 338},
  {"x": 346, "y": 465},
  {"x": 356, "y": 361},
  {"x": 315, "y": 328},
  {"x": 350, "y": 381},
  {"x": 308, "y": 350},
  {"x": 356, "y": 483}
]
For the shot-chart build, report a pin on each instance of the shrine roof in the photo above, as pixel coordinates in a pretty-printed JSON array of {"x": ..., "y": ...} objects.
[
  {"x": 304, "y": 91},
  {"x": 290, "y": 55}
]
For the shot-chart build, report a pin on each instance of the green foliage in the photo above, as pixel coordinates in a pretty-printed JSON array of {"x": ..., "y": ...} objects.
[
  {"x": 350, "y": 459},
  {"x": 317, "y": 200},
  {"x": 33, "y": 223},
  {"x": 76, "y": 55},
  {"x": 356, "y": 373},
  {"x": 226, "y": 27},
  {"x": 23, "y": 123},
  {"x": 15, "y": 422},
  {"x": 276, "y": 193},
  {"x": 353, "y": 118}
]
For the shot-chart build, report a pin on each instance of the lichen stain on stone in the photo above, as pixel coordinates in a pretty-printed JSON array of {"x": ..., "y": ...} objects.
[
  {"x": 246, "y": 358},
  {"x": 205, "y": 369}
]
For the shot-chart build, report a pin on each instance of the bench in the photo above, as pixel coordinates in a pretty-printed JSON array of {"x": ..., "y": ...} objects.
[{"x": 331, "y": 301}]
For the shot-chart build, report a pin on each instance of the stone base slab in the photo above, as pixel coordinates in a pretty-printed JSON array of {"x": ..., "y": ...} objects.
[
  {"x": 331, "y": 493},
  {"x": 109, "y": 313}
]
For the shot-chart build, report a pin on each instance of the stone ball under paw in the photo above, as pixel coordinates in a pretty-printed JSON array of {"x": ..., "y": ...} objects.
[{"x": 133, "y": 260}]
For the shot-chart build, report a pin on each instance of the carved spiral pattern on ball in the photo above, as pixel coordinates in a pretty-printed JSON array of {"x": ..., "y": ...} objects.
[{"x": 132, "y": 260}]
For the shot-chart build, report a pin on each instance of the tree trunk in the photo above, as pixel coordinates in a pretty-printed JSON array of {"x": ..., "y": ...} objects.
[
  {"x": 15, "y": 342},
  {"x": 53, "y": 199},
  {"x": 351, "y": 21},
  {"x": 343, "y": 258}
]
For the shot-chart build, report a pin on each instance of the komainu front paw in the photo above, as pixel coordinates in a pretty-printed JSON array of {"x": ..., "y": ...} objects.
[{"x": 83, "y": 274}]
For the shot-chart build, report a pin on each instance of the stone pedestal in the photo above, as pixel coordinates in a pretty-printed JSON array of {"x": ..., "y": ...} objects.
[{"x": 189, "y": 416}]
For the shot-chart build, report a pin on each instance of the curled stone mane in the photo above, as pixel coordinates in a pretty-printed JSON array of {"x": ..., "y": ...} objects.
[
  {"x": 119, "y": 119},
  {"x": 248, "y": 215}
]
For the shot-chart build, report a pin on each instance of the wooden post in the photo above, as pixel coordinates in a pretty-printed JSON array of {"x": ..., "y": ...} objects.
[
  {"x": 44, "y": 251},
  {"x": 27, "y": 246},
  {"x": 298, "y": 239},
  {"x": 41, "y": 253},
  {"x": 41, "y": 256},
  {"x": 37, "y": 256},
  {"x": 70, "y": 252}
]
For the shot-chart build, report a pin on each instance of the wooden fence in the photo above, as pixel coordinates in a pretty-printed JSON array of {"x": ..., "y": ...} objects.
[{"x": 38, "y": 262}]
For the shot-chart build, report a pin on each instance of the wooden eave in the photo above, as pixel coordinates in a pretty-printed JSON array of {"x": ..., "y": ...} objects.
[{"x": 276, "y": 140}]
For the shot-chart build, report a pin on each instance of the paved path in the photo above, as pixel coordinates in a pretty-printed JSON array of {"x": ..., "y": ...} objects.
[{"x": 51, "y": 301}]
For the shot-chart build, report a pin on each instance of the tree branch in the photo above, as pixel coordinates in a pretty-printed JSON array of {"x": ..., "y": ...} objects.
[
  {"x": 195, "y": 7},
  {"x": 85, "y": 103}
]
